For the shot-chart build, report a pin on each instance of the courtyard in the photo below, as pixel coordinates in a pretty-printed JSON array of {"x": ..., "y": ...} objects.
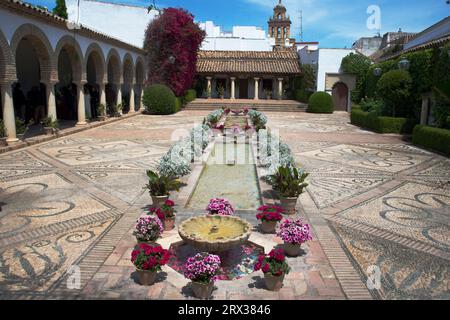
[{"x": 372, "y": 200}]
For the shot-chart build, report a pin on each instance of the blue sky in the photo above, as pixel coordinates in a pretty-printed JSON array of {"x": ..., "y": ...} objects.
[{"x": 334, "y": 23}]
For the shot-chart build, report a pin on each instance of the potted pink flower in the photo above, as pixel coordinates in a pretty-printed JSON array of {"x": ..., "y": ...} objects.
[
  {"x": 148, "y": 260},
  {"x": 294, "y": 233},
  {"x": 269, "y": 215},
  {"x": 220, "y": 206},
  {"x": 166, "y": 213},
  {"x": 274, "y": 267},
  {"x": 148, "y": 229},
  {"x": 202, "y": 269}
]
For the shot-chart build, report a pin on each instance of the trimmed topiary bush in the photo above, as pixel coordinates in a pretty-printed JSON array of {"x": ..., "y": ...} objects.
[
  {"x": 433, "y": 138},
  {"x": 190, "y": 95},
  {"x": 394, "y": 87},
  {"x": 178, "y": 104},
  {"x": 320, "y": 102},
  {"x": 159, "y": 99}
]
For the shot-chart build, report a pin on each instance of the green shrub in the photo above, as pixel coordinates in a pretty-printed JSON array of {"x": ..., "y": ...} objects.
[
  {"x": 301, "y": 95},
  {"x": 433, "y": 138},
  {"x": 159, "y": 99},
  {"x": 371, "y": 120},
  {"x": 320, "y": 102},
  {"x": 178, "y": 103},
  {"x": 190, "y": 95},
  {"x": 370, "y": 104},
  {"x": 394, "y": 87}
]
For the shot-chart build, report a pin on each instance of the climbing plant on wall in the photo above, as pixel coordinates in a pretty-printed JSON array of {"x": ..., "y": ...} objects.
[{"x": 171, "y": 43}]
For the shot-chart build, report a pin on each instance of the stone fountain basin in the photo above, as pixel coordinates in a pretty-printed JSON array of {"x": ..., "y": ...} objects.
[{"x": 214, "y": 233}]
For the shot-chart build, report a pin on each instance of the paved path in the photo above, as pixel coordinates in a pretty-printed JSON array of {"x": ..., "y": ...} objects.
[{"x": 373, "y": 200}]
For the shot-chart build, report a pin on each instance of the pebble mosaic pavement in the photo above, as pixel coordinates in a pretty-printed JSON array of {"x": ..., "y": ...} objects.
[{"x": 373, "y": 200}]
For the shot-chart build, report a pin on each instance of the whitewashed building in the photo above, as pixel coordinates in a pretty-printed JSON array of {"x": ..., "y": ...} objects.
[
  {"x": 329, "y": 76},
  {"x": 51, "y": 65},
  {"x": 241, "y": 38}
]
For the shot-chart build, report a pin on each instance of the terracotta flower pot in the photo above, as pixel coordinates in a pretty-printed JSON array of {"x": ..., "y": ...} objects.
[
  {"x": 292, "y": 250},
  {"x": 202, "y": 290},
  {"x": 3, "y": 142},
  {"x": 273, "y": 283},
  {"x": 268, "y": 226},
  {"x": 288, "y": 204},
  {"x": 169, "y": 223},
  {"x": 158, "y": 201},
  {"x": 146, "y": 277}
]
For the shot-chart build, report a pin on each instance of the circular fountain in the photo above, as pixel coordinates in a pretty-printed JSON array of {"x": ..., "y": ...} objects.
[{"x": 214, "y": 233}]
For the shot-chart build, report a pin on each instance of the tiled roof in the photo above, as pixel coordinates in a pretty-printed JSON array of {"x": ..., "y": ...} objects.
[
  {"x": 430, "y": 44},
  {"x": 30, "y": 9},
  {"x": 254, "y": 62}
]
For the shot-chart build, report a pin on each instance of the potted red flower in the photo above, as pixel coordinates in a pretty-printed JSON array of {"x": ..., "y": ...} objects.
[
  {"x": 275, "y": 267},
  {"x": 294, "y": 233},
  {"x": 202, "y": 269},
  {"x": 148, "y": 260},
  {"x": 166, "y": 214},
  {"x": 269, "y": 215}
]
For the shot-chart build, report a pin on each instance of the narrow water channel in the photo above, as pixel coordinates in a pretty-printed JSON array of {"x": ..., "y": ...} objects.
[{"x": 230, "y": 173}]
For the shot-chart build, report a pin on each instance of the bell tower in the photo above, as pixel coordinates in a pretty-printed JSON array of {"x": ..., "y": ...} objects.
[{"x": 280, "y": 25}]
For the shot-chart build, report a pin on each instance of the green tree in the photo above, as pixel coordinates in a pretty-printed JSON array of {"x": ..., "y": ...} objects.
[
  {"x": 60, "y": 9},
  {"x": 359, "y": 65}
]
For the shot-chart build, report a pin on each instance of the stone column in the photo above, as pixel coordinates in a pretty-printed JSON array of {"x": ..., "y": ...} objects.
[
  {"x": 280, "y": 88},
  {"x": 141, "y": 105},
  {"x": 51, "y": 102},
  {"x": 209, "y": 87},
  {"x": 233, "y": 88},
  {"x": 119, "y": 96},
  {"x": 81, "y": 105},
  {"x": 425, "y": 110},
  {"x": 102, "y": 94},
  {"x": 132, "y": 103},
  {"x": 256, "y": 89},
  {"x": 9, "y": 118}
]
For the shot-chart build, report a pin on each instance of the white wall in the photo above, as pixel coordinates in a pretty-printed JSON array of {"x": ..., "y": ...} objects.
[
  {"x": 9, "y": 22},
  {"x": 329, "y": 62},
  {"x": 242, "y": 38},
  {"x": 124, "y": 22}
]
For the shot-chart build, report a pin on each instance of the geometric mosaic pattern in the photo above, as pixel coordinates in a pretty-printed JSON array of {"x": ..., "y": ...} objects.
[{"x": 387, "y": 201}]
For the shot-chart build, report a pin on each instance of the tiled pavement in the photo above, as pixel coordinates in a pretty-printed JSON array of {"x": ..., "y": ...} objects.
[{"x": 373, "y": 200}]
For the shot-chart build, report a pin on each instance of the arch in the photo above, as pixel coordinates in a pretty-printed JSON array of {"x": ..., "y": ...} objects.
[
  {"x": 7, "y": 62},
  {"x": 113, "y": 63},
  {"x": 139, "y": 71},
  {"x": 340, "y": 94},
  {"x": 71, "y": 47},
  {"x": 42, "y": 47},
  {"x": 95, "y": 55},
  {"x": 128, "y": 69}
]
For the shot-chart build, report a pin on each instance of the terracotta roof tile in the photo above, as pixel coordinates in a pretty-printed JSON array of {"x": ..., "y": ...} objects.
[{"x": 254, "y": 62}]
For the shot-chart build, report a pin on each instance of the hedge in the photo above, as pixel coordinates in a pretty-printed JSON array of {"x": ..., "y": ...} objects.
[
  {"x": 320, "y": 102},
  {"x": 178, "y": 103},
  {"x": 159, "y": 99},
  {"x": 372, "y": 121},
  {"x": 301, "y": 95},
  {"x": 433, "y": 138},
  {"x": 190, "y": 95}
]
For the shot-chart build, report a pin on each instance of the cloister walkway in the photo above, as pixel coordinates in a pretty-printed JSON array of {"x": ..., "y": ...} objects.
[{"x": 373, "y": 200}]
